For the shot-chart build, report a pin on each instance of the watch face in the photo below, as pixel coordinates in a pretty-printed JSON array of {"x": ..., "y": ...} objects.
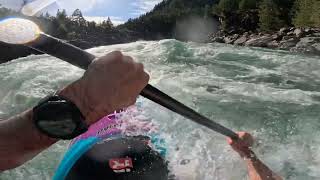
[
  {"x": 58, "y": 120},
  {"x": 61, "y": 127}
]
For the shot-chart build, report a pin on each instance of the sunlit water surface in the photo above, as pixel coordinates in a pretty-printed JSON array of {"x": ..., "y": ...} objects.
[{"x": 275, "y": 95}]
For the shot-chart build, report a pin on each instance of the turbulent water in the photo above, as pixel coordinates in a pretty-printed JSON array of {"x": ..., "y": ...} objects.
[{"x": 275, "y": 95}]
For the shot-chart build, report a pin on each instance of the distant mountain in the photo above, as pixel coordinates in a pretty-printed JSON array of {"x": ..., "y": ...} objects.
[{"x": 180, "y": 19}]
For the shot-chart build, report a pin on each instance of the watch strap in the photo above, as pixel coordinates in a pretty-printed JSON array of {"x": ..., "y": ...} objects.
[{"x": 79, "y": 119}]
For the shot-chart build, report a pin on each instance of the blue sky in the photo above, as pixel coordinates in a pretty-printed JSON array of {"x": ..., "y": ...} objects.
[{"x": 118, "y": 10}]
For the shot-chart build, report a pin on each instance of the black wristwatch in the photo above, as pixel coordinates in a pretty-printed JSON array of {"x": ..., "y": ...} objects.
[{"x": 57, "y": 117}]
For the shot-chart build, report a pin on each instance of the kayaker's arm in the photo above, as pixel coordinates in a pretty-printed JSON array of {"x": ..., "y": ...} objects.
[
  {"x": 20, "y": 141},
  {"x": 111, "y": 83},
  {"x": 257, "y": 170}
]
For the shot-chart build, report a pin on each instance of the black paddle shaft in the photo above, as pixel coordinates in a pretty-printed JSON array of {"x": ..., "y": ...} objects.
[{"x": 80, "y": 58}]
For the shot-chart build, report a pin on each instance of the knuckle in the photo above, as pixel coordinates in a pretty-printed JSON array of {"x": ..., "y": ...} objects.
[
  {"x": 146, "y": 77},
  {"x": 130, "y": 64},
  {"x": 116, "y": 53},
  {"x": 128, "y": 59},
  {"x": 113, "y": 56},
  {"x": 140, "y": 66}
]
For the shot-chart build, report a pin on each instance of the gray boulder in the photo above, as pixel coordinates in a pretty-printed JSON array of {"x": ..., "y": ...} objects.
[
  {"x": 284, "y": 30},
  {"x": 259, "y": 42},
  {"x": 276, "y": 37},
  {"x": 231, "y": 39},
  {"x": 298, "y": 32},
  {"x": 287, "y": 44},
  {"x": 273, "y": 44},
  {"x": 246, "y": 34},
  {"x": 308, "y": 41},
  {"x": 285, "y": 38},
  {"x": 241, "y": 40},
  {"x": 291, "y": 33},
  {"x": 235, "y": 36},
  {"x": 316, "y": 34},
  {"x": 308, "y": 31},
  {"x": 252, "y": 36},
  {"x": 228, "y": 40},
  {"x": 217, "y": 39},
  {"x": 315, "y": 30},
  {"x": 308, "y": 45}
]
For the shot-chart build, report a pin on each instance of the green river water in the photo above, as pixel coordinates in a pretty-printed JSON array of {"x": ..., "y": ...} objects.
[{"x": 275, "y": 95}]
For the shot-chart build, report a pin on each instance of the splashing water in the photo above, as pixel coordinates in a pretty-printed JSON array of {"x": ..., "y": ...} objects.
[{"x": 272, "y": 94}]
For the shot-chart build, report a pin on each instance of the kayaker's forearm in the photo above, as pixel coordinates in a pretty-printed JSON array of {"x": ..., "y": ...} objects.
[
  {"x": 20, "y": 141},
  {"x": 259, "y": 171}
]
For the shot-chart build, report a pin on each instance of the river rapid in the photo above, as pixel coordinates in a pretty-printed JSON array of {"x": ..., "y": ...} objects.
[{"x": 275, "y": 95}]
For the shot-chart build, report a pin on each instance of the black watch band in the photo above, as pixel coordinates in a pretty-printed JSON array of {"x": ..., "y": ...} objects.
[{"x": 58, "y": 117}]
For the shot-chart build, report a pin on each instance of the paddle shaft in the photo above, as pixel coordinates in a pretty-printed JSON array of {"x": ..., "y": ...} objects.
[{"x": 80, "y": 58}]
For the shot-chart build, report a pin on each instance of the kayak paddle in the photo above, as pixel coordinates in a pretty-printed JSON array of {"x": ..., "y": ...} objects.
[{"x": 26, "y": 32}]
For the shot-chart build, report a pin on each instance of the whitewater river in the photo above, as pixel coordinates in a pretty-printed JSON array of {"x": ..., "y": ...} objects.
[{"x": 275, "y": 95}]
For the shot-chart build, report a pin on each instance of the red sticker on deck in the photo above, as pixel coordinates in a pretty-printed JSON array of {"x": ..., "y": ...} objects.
[{"x": 121, "y": 164}]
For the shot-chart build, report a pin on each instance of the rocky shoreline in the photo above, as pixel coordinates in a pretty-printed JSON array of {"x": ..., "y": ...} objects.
[{"x": 304, "y": 40}]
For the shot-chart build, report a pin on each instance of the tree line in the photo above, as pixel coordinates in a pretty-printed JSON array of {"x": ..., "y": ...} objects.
[
  {"x": 234, "y": 15},
  {"x": 161, "y": 21},
  {"x": 64, "y": 26},
  {"x": 267, "y": 15}
]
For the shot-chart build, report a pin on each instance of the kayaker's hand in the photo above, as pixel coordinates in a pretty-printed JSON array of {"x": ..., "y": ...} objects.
[
  {"x": 112, "y": 82},
  {"x": 243, "y": 144}
]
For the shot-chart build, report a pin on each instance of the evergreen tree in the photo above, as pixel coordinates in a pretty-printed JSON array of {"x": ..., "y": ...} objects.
[
  {"x": 269, "y": 16},
  {"x": 285, "y": 8},
  {"x": 60, "y": 23},
  {"x": 78, "y": 18},
  {"x": 307, "y": 13},
  {"x": 315, "y": 18},
  {"x": 226, "y": 10},
  {"x": 107, "y": 25},
  {"x": 62, "y": 31},
  {"x": 109, "y": 22},
  {"x": 47, "y": 15},
  {"x": 92, "y": 25},
  {"x": 177, "y": 4},
  {"x": 4, "y": 12},
  {"x": 247, "y": 5},
  {"x": 228, "y": 6},
  {"x": 304, "y": 13},
  {"x": 62, "y": 16}
]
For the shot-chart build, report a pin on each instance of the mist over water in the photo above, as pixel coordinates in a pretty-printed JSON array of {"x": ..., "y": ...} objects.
[
  {"x": 195, "y": 29},
  {"x": 275, "y": 95}
]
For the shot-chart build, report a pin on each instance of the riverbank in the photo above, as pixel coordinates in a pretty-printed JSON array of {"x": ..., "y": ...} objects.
[{"x": 304, "y": 40}]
